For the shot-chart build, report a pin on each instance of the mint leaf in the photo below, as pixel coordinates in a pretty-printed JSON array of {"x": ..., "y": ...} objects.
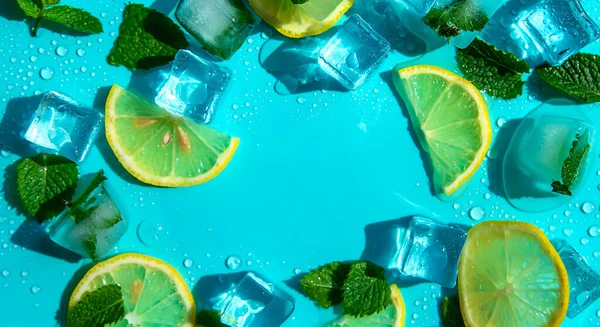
[
  {"x": 299, "y": 2},
  {"x": 577, "y": 77},
  {"x": 451, "y": 315},
  {"x": 366, "y": 291},
  {"x": 324, "y": 285},
  {"x": 30, "y": 8},
  {"x": 98, "y": 179},
  {"x": 89, "y": 245},
  {"x": 491, "y": 70},
  {"x": 44, "y": 183},
  {"x": 147, "y": 39},
  {"x": 48, "y": 3},
  {"x": 461, "y": 15},
  {"x": 570, "y": 169},
  {"x": 209, "y": 318},
  {"x": 97, "y": 308},
  {"x": 74, "y": 18}
]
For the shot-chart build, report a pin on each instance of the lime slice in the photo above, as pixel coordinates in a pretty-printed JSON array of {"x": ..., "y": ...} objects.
[
  {"x": 510, "y": 275},
  {"x": 161, "y": 148},
  {"x": 154, "y": 294},
  {"x": 450, "y": 119},
  {"x": 393, "y": 315},
  {"x": 296, "y": 21}
]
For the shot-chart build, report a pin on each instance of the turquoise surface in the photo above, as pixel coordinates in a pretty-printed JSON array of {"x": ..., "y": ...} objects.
[{"x": 313, "y": 169}]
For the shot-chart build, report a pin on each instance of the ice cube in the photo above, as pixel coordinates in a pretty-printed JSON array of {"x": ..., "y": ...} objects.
[
  {"x": 194, "y": 87},
  {"x": 256, "y": 302},
  {"x": 221, "y": 26},
  {"x": 353, "y": 53},
  {"x": 536, "y": 153},
  {"x": 430, "y": 250},
  {"x": 419, "y": 6},
  {"x": 584, "y": 283},
  {"x": 63, "y": 126},
  {"x": 556, "y": 30},
  {"x": 92, "y": 228}
]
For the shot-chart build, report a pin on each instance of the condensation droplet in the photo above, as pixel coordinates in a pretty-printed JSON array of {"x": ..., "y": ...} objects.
[
  {"x": 476, "y": 213},
  {"x": 233, "y": 262},
  {"x": 80, "y": 52},
  {"x": 46, "y": 73},
  {"x": 587, "y": 207},
  {"x": 188, "y": 263},
  {"x": 34, "y": 289},
  {"x": 61, "y": 51}
]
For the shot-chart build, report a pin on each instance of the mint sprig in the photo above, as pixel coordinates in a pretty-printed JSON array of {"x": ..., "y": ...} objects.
[
  {"x": 45, "y": 184},
  {"x": 209, "y": 318},
  {"x": 570, "y": 169},
  {"x": 491, "y": 70},
  {"x": 73, "y": 18},
  {"x": 460, "y": 15},
  {"x": 451, "y": 315},
  {"x": 366, "y": 291},
  {"x": 324, "y": 285},
  {"x": 97, "y": 308},
  {"x": 577, "y": 77},
  {"x": 147, "y": 39}
]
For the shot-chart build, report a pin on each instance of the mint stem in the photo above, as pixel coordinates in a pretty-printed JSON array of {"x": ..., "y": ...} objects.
[{"x": 37, "y": 23}]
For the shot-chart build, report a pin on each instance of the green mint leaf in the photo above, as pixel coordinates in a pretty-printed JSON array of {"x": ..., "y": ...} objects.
[
  {"x": 491, "y": 70},
  {"x": 461, "y": 15},
  {"x": 577, "y": 77},
  {"x": 31, "y": 8},
  {"x": 98, "y": 179},
  {"x": 74, "y": 18},
  {"x": 147, "y": 39},
  {"x": 48, "y": 3},
  {"x": 82, "y": 207},
  {"x": 110, "y": 222},
  {"x": 90, "y": 246},
  {"x": 570, "y": 169},
  {"x": 366, "y": 291},
  {"x": 324, "y": 285},
  {"x": 451, "y": 315},
  {"x": 97, "y": 308},
  {"x": 209, "y": 318},
  {"x": 44, "y": 183},
  {"x": 299, "y": 2}
]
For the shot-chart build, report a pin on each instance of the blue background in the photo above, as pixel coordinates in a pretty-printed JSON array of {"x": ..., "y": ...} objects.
[{"x": 313, "y": 169}]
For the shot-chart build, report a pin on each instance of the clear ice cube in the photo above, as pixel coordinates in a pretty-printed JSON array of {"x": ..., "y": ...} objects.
[
  {"x": 419, "y": 6},
  {"x": 430, "y": 250},
  {"x": 63, "y": 126},
  {"x": 194, "y": 87},
  {"x": 92, "y": 228},
  {"x": 584, "y": 283},
  {"x": 256, "y": 302},
  {"x": 555, "y": 30},
  {"x": 536, "y": 153},
  {"x": 353, "y": 53},
  {"x": 221, "y": 26}
]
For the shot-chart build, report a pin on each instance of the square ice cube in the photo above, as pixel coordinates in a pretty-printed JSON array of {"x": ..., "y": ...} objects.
[
  {"x": 557, "y": 29},
  {"x": 221, "y": 26},
  {"x": 353, "y": 53},
  {"x": 419, "y": 6},
  {"x": 63, "y": 126},
  {"x": 431, "y": 250},
  {"x": 584, "y": 283},
  {"x": 194, "y": 87},
  {"x": 256, "y": 302},
  {"x": 92, "y": 228}
]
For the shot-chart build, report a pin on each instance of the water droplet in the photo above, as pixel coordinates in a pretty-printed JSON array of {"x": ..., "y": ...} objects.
[
  {"x": 24, "y": 273},
  {"x": 188, "y": 263},
  {"x": 487, "y": 196},
  {"x": 456, "y": 206},
  {"x": 61, "y": 51},
  {"x": 567, "y": 213},
  {"x": 4, "y": 153},
  {"x": 581, "y": 298},
  {"x": 34, "y": 289},
  {"x": 33, "y": 58},
  {"x": 233, "y": 262},
  {"x": 46, "y": 73},
  {"x": 476, "y": 213},
  {"x": 297, "y": 271},
  {"x": 149, "y": 231},
  {"x": 80, "y": 52},
  {"x": 593, "y": 231},
  {"x": 584, "y": 241},
  {"x": 587, "y": 207},
  {"x": 568, "y": 231},
  {"x": 352, "y": 61},
  {"x": 5, "y": 273},
  {"x": 301, "y": 100},
  {"x": 500, "y": 122}
]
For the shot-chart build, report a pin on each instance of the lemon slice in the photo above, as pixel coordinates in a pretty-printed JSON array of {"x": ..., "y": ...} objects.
[
  {"x": 450, "y": 119},
  {"x": 154, "y": 294},
  {"x": 299, "y": 20},
  {"x": 393, "y": 315},
  {"x": 510, "y": 275},
  {"x": 161, "y": 148}
]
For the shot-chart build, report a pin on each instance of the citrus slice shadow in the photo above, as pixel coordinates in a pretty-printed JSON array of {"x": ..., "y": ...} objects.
[{"x": 161, "y": 148}]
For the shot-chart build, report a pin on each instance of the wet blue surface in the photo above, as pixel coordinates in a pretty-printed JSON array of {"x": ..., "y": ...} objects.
[{"x": 317, "y": 172}]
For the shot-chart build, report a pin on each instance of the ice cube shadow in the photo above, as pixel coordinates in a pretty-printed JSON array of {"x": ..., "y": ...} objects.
[
  {"x": 32, "y": 236},
  {"x": 386, "y": 76},
  {"x": 499, "y": 147},
  {"x": 14, "y": 124},
  {"x": 61, "y": 313},
  {"x": 295, "y": 64},
  {"x": 211, "y": 287}
]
